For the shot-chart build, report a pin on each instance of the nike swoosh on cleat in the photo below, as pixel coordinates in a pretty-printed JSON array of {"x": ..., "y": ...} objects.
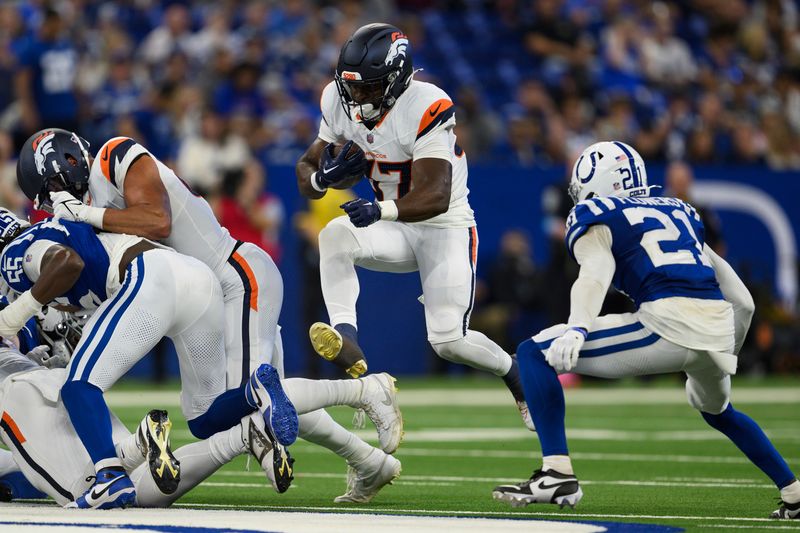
[
  {"x": 554, "y": 485},
  {"x": 388, "y": 398},
  {"x": 97, "y": 495}
]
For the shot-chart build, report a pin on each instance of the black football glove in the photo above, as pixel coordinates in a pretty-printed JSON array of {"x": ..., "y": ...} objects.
[
  {"x": 362, "y": 212},
  {"x": 339, "y": 168}
]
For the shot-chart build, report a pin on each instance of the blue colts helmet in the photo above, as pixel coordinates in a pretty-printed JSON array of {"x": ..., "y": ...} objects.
[{"x": 608, "y": 168}]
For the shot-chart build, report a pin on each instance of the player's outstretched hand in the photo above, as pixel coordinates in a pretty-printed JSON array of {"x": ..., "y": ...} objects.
[
  {"x": 67, "y": 207},
  {"x": 563, "y": 353},
  {"x": 362, "y": 212},
  {"x": 333, "y": 169}
]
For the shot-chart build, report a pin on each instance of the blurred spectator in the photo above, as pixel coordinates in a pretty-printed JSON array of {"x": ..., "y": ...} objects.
[
  {"x": 172, "y": 35},
  {"x": 203, "y": 159},
  {"x": 666, "y": 59},
  {"x": 308, "y": 224},
  {"x": 513, "y": 290},
  {"x": 248, "y": 211},
  {"x": 45, "y": 82},
  {"x": 679, "y": 180}
]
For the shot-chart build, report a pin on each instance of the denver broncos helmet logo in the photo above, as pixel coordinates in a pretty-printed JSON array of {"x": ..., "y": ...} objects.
[
  {"x": 397, "y": 49},
  {"x": 42, "y": 147}
]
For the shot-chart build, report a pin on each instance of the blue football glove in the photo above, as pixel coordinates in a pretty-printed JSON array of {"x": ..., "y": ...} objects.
[
  {"x": 339, "y": 168},
  {"x": 362, "y": 212}
]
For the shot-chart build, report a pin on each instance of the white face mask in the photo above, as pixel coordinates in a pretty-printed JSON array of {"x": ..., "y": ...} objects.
[{"x": 367, "y": 111}]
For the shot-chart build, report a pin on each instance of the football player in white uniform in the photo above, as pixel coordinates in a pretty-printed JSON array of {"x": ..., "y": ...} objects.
[
  {"x": 693, "y": 313},
  {"x": 44, "y": 446},
  {"x": 130, "y": 191},
  {"x": 420, "y": 219}
]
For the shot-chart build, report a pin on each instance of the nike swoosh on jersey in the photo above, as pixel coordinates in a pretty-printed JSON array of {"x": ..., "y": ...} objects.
[
  {"x": 434, "y": 111},
  {"x": 105, "y": 154}
]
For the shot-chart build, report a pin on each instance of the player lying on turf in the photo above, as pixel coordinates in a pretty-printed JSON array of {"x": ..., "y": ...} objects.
[
  {"x": 420, "y": 219},
  {"x": 66, "y": 259},
  {"x": 692, "y": 315},
  {"x": 45, "y": 447},
  {"x": 130, "y": 191}
]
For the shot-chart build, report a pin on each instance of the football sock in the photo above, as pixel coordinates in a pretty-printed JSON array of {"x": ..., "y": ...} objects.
[
  {"x": 340, "y": 288},
  {"x": 129, "y": 452},
  {"x": 226, "y": 411},
  {"x": 197, "y": 464},
  {"x": 311, "y": 394},
  {"x": 560, "y": 463},
  {"x": 513, "y": 381},
  {"x": 21, "y": 488},
  {"x": 791, "y": 492},
  {"x": 319, "y": 428},
  {"x": 545, "y": 398},
  {"x": 476, "y": 350},
  {"x": 347, "y": 330},
  {"x": 749, "y": 438},
  {"x": 92, "y": 422}
]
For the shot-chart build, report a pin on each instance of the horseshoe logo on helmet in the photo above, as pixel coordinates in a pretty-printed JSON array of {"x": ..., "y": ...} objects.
[{"x": 593, "y": 160}]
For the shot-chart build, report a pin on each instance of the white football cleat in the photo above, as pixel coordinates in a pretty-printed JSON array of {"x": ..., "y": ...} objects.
[
  {"x": 543, "y": 487},
  {"x": 525, "y": 413},
  {"x": 274, "y": 458},
  {"x": 787, "y": 511},
  {"x": 379, "y": 401},
  {"x": 365, "y": 482}
]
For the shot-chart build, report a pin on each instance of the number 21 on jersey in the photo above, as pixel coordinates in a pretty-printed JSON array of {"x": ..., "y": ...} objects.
[{"x": 676, "y": 227}]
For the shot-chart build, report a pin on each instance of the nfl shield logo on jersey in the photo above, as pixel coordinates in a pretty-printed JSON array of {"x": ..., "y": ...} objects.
[{"x": 370, "y": 138}]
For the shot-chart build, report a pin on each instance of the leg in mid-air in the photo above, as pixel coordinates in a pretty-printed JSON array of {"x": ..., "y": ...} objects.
[{"x": 445, "y": 259}]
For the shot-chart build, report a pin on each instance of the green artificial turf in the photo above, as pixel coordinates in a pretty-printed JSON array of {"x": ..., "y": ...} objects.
[{"x": 632, "y": 463}]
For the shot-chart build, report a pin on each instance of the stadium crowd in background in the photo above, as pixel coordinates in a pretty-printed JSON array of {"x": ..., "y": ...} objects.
[{"x": 222, "y": 90}]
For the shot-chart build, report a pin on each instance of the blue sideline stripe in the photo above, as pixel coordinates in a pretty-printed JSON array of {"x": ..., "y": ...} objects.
[
  {"x": 101, "y": 346},
  {"x": 98, "y": 325},
  {"x": 616, "y": 348}
]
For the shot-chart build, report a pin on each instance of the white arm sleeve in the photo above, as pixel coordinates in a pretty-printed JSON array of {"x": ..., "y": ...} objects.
[
  {"x": 736, "y": 293},
  {"x": 593, "y": 253},
  {"x": 35, "y": 252}
]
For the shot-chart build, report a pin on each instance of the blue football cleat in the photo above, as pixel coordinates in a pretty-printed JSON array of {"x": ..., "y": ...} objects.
[
  {"x": 112, "y": 489},
  {"x": 264, "y": 391}
]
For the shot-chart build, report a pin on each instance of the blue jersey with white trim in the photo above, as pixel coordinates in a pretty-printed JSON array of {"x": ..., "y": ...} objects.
[
  {"x": 89, "y": 290},
  {"x": 657, "y": 244}
]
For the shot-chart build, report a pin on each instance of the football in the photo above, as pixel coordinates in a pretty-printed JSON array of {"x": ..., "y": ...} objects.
[{"x": 349, "y": 182}]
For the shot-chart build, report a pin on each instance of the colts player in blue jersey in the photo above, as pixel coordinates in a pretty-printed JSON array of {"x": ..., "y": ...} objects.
[
  {"x": 693, "y": 313},
  {"x": 141, "y": 292}
]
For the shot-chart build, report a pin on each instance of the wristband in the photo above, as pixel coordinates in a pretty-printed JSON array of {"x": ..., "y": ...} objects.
[
  {"x": 94, "y": 216},
  {"x": 388, "y": 210},
  {"x": 18, "y": 312},
  {"x": 582, "y": 331},
  {"x": 315, "y": 184}
]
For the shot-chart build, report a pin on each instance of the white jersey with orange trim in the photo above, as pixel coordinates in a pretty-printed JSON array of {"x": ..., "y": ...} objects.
[
  {"x": 411, "y": 130},
  {"x": 195, "y": 230}
]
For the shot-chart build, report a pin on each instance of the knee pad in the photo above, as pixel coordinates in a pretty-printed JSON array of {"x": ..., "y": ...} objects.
[
  {"x": 706, "y": 402},
  {"x": 337, "y": 236},
  {"x": 449, "y": 350},
  {"x": 443, "y": 324}
]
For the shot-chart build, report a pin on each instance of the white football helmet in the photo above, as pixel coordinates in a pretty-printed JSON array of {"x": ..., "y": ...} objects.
[{"x": 608, "y": 168}]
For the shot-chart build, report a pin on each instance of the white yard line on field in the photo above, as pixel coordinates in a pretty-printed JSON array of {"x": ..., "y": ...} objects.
[{"x": 500, "y": 397}]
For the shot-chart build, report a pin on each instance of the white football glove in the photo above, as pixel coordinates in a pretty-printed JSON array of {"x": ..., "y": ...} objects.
[
  {"x": 563, "y": 353},
  {"x": 67, "y": 207}
]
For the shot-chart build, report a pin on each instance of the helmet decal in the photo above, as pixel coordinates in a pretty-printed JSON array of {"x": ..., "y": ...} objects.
[
  {"x": 397, "y": 49},
  {"x": 42, "y": 147},
  {"x": 351, "y": 76},
  {"x": 593, "y": 159}
]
